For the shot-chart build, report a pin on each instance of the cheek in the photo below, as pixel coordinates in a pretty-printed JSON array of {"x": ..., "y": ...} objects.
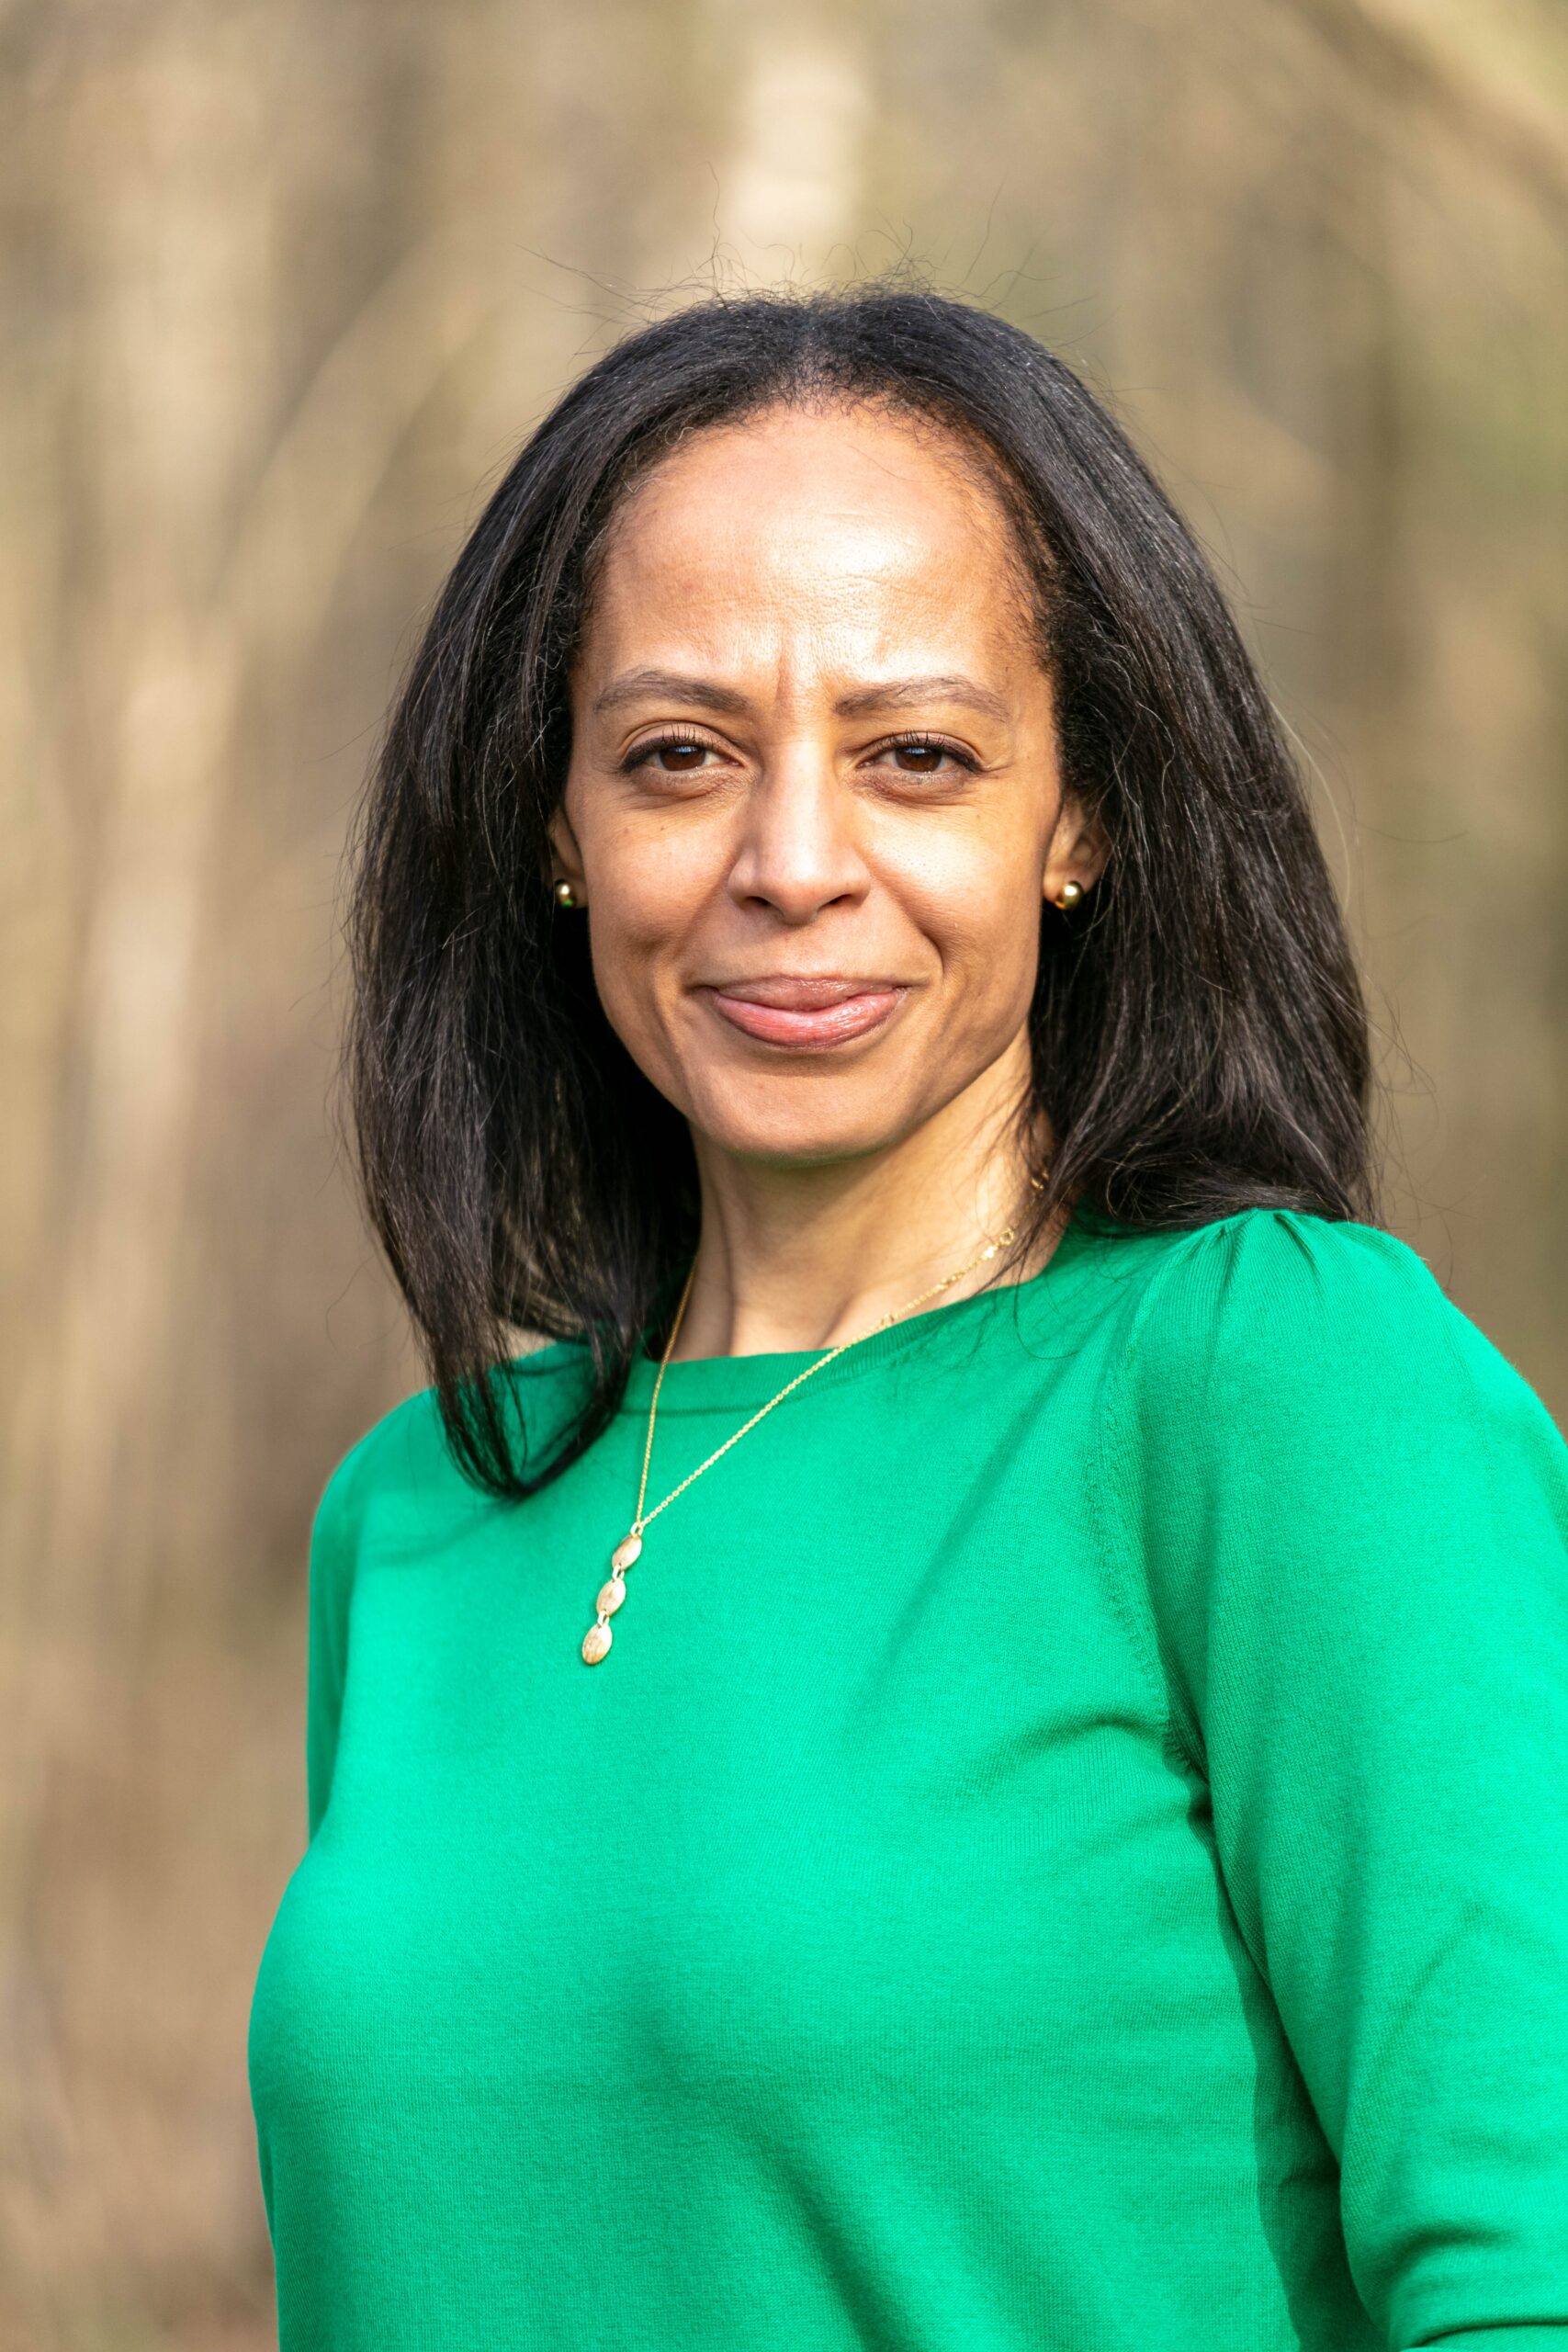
[
  {"x": 978, "y": 901},
  {"x": 644, "y": 899},
  {"x": 652, "y": 884}
]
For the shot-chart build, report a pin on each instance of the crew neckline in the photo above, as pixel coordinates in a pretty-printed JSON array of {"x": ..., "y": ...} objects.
[{"x": 702, "y": 1383}]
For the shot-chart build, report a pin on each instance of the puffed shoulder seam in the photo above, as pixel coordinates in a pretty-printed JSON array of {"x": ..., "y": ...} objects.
[
  {"x": 1120, "y": 1520},
  {"x": 1366, "y": 1273},
  {"x": 1131, "y": 1593},
  {"x": 1335, "y": 1249}
]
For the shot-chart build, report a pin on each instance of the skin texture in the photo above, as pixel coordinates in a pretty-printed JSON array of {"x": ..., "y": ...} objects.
[{"x": 744, "y": 805}]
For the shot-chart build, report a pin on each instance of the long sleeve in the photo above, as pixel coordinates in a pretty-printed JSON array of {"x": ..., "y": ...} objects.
[
  {"x": 334, "y": 1532},
  {"x": 1353, "y": 1518}
]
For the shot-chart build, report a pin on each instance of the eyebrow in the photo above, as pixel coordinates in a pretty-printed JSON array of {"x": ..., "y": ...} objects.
[
  {"x": 638, "y": 685},
  {"x": 889, "y": 694},
  {"x": 897, "y": 694}
]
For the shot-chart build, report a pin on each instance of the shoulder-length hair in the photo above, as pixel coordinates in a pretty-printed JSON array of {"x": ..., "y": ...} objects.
[{"x": 1199, "y": 1035}]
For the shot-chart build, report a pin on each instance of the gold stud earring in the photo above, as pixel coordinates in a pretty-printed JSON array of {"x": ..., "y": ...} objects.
[
  {"x": 1071, "y": 893},
  {"x": 565, "y": 896}
]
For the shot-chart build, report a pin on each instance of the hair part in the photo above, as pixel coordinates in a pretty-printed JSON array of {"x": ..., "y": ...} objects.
[{"x": 1198, "y": 1033}]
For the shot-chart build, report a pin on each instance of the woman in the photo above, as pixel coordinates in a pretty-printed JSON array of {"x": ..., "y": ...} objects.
[{"x": 975, "y": 1753}]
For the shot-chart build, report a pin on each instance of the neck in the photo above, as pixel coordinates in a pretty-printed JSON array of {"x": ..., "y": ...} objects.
[{"x": 794, "y": 1258}]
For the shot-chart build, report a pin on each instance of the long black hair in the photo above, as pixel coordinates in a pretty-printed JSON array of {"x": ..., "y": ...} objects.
[{"x": 1199, "y": 1035}]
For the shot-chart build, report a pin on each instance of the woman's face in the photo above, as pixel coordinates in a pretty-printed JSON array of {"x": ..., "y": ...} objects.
[{"x": 814, "y": 799}]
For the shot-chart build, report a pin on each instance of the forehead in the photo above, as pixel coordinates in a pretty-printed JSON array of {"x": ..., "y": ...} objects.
[{"x": 829, "y": 518}]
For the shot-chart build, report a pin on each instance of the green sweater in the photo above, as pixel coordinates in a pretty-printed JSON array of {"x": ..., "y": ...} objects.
[{"x": 1068, "y": 1851}]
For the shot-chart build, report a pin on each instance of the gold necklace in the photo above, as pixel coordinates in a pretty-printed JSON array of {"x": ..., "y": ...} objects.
[{"x": 613, "y": 1592}]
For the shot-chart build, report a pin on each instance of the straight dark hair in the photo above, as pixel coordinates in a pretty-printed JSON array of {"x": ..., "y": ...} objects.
[{"x": 1199, "y": 1035}]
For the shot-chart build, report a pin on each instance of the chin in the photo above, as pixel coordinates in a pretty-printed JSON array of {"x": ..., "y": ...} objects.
[{"x": 805, "y": 1122}]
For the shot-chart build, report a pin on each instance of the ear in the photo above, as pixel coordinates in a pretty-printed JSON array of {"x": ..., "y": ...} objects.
[
  {"x": 1079, "y": 851},
  {"x": 565, "y": 856}
]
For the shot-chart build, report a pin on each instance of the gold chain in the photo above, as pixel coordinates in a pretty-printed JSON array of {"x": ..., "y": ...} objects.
[{"x": 597, "y": 1641}]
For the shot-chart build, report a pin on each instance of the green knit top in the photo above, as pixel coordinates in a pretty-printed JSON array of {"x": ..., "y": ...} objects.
[{"x": 1067, "y": 1852}]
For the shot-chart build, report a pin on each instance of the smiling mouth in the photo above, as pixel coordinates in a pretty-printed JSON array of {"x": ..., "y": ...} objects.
[{"x": 806, "y": 1013}]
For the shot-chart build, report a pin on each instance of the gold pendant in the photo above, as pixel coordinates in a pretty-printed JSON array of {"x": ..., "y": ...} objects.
[{"x": 612, "y": 1593}]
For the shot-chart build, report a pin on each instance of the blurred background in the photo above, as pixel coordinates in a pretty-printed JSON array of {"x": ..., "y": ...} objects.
[{"x": 286, "y": 283}]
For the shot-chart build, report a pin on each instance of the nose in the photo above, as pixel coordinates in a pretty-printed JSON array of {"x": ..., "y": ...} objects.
[{"x": 798, "y": 853}]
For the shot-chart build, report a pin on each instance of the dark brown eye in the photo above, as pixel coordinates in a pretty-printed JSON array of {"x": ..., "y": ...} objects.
[
  {"x": 678, "y": 757},
  {"x": 917, "y": 756}
]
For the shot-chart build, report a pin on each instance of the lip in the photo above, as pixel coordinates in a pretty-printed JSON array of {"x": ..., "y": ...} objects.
[{"x": 807, "y": 1011}]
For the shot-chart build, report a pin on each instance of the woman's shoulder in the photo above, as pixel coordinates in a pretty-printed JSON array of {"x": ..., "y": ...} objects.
[
  {"x": 401, "y": 1470},
  {"x": 1258, "y": 1270},
  {"x": 385, "y": 1462},
  {"x": 1271, "y": 1307}
]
